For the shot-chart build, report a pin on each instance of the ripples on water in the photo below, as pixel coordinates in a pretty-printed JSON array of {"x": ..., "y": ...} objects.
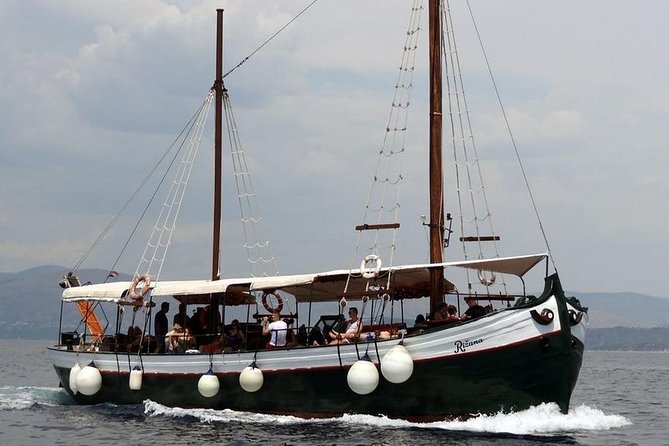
[{"x": 618, "y": 401}]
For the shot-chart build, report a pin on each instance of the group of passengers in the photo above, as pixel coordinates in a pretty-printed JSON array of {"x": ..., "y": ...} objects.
[
  {"x": 343, "y": 331},
  {"x": 281, "y": 335},
  {"x": 448, "y": 313},
  {"x": 192, "y": 332}
]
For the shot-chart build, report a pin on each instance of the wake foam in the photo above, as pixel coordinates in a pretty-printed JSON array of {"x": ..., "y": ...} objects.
[
  {"x": 545, "y": 419},
  {"x": 27, "y": 397}
]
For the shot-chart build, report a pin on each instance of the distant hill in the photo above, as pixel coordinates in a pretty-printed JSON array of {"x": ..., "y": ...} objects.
[
  {"x": 31, "y": 308},
  {"x": 626, "y": 338},
  {"x": 31, "y": 300},
  {"x": 625, "y": 309}
]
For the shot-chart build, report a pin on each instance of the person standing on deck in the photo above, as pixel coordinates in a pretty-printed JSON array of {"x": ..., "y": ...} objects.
[
  {"x": 278, "y": 329},
  {"x": 160, "y": 327},
  {"x": 181, "y": 317}
]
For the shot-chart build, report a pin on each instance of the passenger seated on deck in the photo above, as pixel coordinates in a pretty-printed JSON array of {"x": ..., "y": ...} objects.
[
  {"x": 474, "y": 311},
  {"x": 339, "y": 326},
  {"x": 420, "y": 322},
  {"x": 352, "y": 332},
  {"x": 179, "y": 340},
  {"x": 235, "y": 339},
  {"x": 134, "y": 338},
  {"x": 172, "y": 337},
  {"x": 292, "y": 340},
  {"x": 442, "y": 312},
  {"x": 452, "y": 314},
  {"x": 316, "y": 337}
]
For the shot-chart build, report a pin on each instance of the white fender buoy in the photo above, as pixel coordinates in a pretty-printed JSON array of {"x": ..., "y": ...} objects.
[
  {"x": 251, "y": 378},
  {"x": 135, "y": 378},
  {"x": 363, "y": 377},
  {"x": 208, "y": 384},
  {"x": 89, "y": 380},
  {"x": 397, "y": 365},
  {"x": 74, "y": 371}
]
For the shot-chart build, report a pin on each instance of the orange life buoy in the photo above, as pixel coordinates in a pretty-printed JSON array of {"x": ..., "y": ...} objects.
[
  {"x": 268, "y": 307},
  {"x": 132, "y": 291}
]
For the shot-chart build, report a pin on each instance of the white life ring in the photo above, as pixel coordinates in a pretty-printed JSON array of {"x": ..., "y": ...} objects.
[
  {"x": 485, "y": 280},
  {"x": 370, "y": 273},
  {"x": 132, "y": 291}
]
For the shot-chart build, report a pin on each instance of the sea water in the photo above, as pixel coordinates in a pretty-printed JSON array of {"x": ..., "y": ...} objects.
[{"x": 619, "y": 400}]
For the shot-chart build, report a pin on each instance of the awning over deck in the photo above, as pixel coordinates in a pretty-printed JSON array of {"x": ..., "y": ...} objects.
[{"x": 404, "y": 281}]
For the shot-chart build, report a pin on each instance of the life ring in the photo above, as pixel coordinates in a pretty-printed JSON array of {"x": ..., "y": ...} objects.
[
  {"x": 370, "y": 273},
  {"x": 132, "y": 291},
  {"x": 485, "y": 280},
  {"x": 268, "y": 307}
]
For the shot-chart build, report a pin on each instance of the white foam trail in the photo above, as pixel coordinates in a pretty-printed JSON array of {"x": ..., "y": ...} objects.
[
  {"x": 544, "y": 419},
  {"x": 26, "y": 397},
  {"x": 152, "y": 408}
]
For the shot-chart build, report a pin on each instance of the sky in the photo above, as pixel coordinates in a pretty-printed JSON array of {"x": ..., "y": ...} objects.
[{"x": 93, "y": 92}]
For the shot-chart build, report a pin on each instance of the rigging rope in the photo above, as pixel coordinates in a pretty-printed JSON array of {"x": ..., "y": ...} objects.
[
  {"x": 120, "y": 212},
  {"x": 160, "y": 239},
  {"x": 258, "y": 249},
  {"x": 513, "y": 140},
  {"x": 462, "y": 141},
  {"x": 269, "y": 39},
  {"x": 384, "y": 193}
]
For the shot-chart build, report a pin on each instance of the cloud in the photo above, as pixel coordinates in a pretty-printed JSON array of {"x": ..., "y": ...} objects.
[{"x": 93, "y": 93}]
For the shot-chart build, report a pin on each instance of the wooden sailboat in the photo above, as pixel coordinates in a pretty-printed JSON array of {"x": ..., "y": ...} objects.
[{"x": 509, "y": 359}]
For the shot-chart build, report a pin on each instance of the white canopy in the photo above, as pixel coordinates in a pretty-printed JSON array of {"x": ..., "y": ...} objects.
[{"x": 405, "y": 281}]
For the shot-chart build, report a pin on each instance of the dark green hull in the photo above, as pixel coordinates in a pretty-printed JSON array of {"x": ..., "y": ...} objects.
[{"x": 524, "y": 375}]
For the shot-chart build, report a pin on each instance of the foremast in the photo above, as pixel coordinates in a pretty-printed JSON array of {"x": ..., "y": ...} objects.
[
  {"x": 218, "y": 151},
  {"x": 436, "y": 178},
  {"x": 218, "y": 172}
]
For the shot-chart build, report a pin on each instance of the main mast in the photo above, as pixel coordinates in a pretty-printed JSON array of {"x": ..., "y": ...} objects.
[
  {"x": 218, "y": 156},
  {"x": 436, "y": 178}
]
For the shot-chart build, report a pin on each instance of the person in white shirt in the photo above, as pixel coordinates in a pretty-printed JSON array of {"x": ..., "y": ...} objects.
[
  {"x": 352, "y": 331},
  {"x": 277, "y": 328}
]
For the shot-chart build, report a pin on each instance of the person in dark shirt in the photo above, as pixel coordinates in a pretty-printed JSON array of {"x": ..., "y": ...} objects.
[
  {"x": 181, "y": 317},
  {"x": 160, "y": 326},
  {"x": 235, "y": 337},
  {"x": 475, "y": 310}
]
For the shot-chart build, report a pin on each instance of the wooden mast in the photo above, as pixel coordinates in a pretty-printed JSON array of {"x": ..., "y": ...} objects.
[
  {"x": 436, "y": 178},
  {"x": 218, "y": 156}
]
